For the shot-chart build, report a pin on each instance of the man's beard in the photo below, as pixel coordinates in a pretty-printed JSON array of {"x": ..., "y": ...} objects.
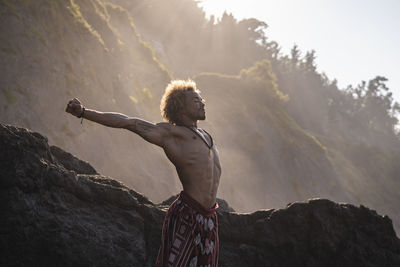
[{"x": 202, "y": 116}]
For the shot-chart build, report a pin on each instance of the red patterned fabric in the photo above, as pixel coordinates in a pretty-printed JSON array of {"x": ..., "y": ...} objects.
[{"x": 189, "y": 235}]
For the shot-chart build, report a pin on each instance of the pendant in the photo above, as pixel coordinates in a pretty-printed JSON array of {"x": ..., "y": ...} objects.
[{"x": 210, "y": 153}]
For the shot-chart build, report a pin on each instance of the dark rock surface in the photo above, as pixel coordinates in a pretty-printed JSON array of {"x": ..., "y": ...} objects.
[{"x": 57, "y": 211}]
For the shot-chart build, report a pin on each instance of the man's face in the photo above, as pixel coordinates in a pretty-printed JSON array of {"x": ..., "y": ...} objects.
[{"x": 194, "y": 106}]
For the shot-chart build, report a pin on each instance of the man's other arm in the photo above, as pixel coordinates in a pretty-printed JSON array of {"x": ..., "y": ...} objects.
[{"x": 153, "y": 133}]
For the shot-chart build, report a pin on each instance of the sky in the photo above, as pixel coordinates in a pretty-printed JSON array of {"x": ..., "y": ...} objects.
[{"x": 354, "y": 40}]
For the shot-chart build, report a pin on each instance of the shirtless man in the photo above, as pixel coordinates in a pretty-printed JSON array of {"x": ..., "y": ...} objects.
[{"x": 190, "y": 229}]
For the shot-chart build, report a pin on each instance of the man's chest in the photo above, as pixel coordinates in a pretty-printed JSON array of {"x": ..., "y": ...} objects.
[{"x": 192, "y": 150}]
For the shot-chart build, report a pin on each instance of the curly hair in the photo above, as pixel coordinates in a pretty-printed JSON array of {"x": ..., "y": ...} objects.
[{"x": 173, "y": 100}]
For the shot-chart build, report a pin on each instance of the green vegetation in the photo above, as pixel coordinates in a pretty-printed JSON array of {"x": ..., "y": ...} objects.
[
  {"x": 10, "y": 96},
  {"x": 10, "y": 8},
  {"x": 76, "y": 12},
  {"x": 13, "y": 51},
  {"x": 37, "y": 33},
  {"x": 134, "y": 100}
]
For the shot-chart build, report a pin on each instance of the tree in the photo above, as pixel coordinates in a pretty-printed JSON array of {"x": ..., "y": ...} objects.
[
  {"x": 295, "y": 55},
  {"x": 373, "y": 104},
  {"x": 309, "y": 61}
]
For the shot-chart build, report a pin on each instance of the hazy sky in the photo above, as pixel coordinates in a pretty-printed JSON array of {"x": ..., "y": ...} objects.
[{"x": 354, "y": 40}]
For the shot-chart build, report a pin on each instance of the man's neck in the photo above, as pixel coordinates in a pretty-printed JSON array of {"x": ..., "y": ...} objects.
[{"x": 188, "y": 123}]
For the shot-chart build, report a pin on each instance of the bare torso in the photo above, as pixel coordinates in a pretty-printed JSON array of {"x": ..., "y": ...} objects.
[{"x": 198, "y": 168}]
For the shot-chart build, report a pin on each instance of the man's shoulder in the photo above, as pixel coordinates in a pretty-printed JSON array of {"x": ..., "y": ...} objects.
[{"x": 164, "y": 124}]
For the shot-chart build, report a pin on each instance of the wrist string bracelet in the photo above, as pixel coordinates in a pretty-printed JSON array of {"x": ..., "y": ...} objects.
[{"x": 82, "y": 113}]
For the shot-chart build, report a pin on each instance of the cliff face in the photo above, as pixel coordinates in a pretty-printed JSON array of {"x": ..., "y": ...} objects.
[
  {"x": 53, "y": 51},
  {"x": 58, "y": 211}
]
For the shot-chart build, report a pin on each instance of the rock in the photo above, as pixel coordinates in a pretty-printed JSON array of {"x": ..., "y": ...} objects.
[
  {"x": 56, "y": 214},
  {"x": 70, "y": 162},
  {"x": 58, "y": 211},
  {"x": 317, "y": 233}
]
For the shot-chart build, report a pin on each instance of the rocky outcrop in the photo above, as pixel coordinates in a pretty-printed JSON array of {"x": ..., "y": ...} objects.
[{"x": 57, "y": 211}]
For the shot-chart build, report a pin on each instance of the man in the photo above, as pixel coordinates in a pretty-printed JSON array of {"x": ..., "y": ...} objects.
[{"x": 190, "y": 229}]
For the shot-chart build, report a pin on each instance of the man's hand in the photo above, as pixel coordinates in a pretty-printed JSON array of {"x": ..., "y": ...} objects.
[{"x": 74, "y": 107}]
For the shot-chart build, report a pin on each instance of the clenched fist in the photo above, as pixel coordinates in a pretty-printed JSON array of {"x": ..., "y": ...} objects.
[{"x": 74, "y": 107}]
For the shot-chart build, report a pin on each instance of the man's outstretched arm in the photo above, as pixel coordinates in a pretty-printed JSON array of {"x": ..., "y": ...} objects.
[{"x": 153, "y": 133}]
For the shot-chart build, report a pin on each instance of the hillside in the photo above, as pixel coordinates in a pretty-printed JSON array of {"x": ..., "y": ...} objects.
[
  {"x": 52, "y": 51},
  {"x": 285, "y": 133},
  {"x": 58, "y": 211}
]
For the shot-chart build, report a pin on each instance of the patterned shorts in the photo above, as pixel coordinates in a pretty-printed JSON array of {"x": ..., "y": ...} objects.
[{"x": 189, "y": 235}]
